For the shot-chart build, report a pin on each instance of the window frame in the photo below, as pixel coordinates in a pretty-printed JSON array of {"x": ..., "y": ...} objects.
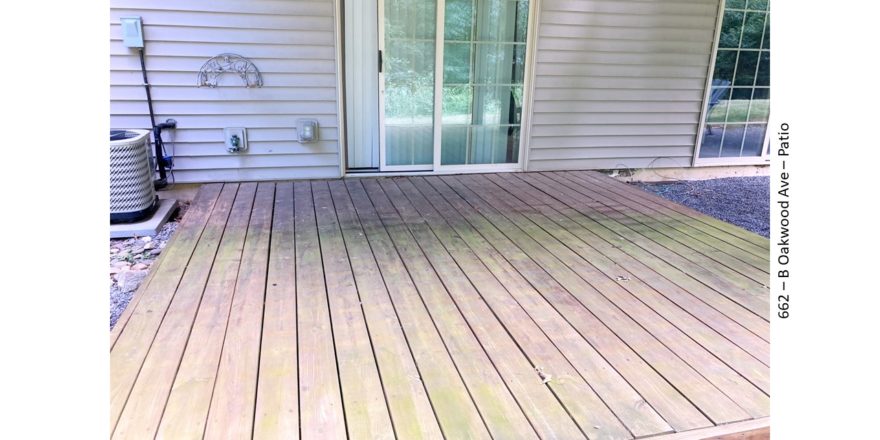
[{"x": 697, "y": 161}]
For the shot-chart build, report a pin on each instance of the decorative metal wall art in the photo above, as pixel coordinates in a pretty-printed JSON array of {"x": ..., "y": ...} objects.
[{"x": 225, "y": 63}]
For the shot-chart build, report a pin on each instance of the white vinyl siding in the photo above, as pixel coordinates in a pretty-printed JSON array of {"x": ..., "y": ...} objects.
[
  {"x": 619, "y": 83},
  {"x": 293, "y": 45}
]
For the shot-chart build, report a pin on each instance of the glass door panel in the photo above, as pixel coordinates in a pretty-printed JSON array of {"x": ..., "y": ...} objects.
[
  {"x": 408, "y": 71},
  {"x": 483, "y": 70}
]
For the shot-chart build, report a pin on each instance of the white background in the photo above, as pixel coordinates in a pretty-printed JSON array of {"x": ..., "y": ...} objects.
[{"x": 53, "y": 225}]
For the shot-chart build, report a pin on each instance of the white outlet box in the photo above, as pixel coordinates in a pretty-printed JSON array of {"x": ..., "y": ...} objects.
[{"x": 229, "y": 136}]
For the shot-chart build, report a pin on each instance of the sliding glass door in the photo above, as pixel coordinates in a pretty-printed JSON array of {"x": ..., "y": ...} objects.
[{"x": 451, "y": 82}]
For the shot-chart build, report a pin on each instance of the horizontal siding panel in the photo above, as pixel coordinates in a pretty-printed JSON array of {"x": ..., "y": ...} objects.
[
  {"x": 576, "y": 106},
  {"x": 185, "y": 93},
  {"x": 619, "y": 70},
  {"x": 215, "y": 135},
  {"x": 575, "y": 18},
  {"x": 194, "y": 64},
  {"x": 255, "y": 174},
  {"x": 206, "y": 50},
  {"x": 225, "y": 108},
  {"x": 619, "y": 83},
  {"x": 286, "y": 7},
  {"x": 600, "y": 82},
  {"x": 247, "y": 160},
  {"x": 667, "y": 95},
  {"x": 583, "y": 131},
  {"x": 253, "y": 36},
  {"x": 695, "y": 9},
  {"x": 614, "y": 46},
  {"x": 627, "y": 33},
  {"x": 270, "y": 80},
  {"x": 622, "y": 140},
  {"x": 292, "y": 43},
  {"x": 649, "y": 59},
  {"x": 203, "y": 149},
  {"x": 608, "y": 164},
  {"x": 249, "y": 121},
  {"x": 228, "y": 21},
  {"x": 614, "y": 118},
  {"x": 614, "y": 153}
]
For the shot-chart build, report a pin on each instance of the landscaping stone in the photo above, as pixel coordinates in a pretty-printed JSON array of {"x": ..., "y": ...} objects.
[
  {"x": 129, "y": 280},
  {"x": 743, "y": 201},
  {"x": 130, "y": 262}
]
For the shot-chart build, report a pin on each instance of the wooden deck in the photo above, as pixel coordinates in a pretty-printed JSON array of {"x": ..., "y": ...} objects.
[{"x": 523, "y": 305}]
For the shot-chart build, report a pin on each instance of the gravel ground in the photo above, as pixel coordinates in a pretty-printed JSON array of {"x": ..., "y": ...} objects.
[
  {"x": 743, "y": 201},
  {"x": 130, "y": 261}
]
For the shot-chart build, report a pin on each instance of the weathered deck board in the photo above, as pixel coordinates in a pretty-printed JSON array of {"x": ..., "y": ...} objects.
[
  {"x": 497, "y": 408},
  {"x": 671, "y": 216},
  {"x": 584, "y": 366},
  {"x": 321, "y": 411},
  {"x": 235, "y": 390},
  {"x": 136, "y": 341},
  {"x": 455, "y": 409},
  {"x": 603, "y": 296},
  {"x": 517, "y": 374},
  {"x": 277, "y": 407},
  {"x": 677, "y": 275},
  {"x": 722, "y": 229},
  {"x": 645, "y": 302},
  {"x": 680, "y": 413},
  {"x": 145, "y": 403},
  {"x": 366, "y": 411},
  {"x": 184, "y": 241},
  {"x": 411, "y": 410},
  {"x": 730, "y": 283},
  {"x": 186, "y": 412},
  {"x": 659, "y": 226},
  {"x": 563, "y": 305},
  {"x": 724, "y": 319}
]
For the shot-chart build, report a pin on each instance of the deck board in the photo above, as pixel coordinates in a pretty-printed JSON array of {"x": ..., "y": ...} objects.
[
  {"x": 555, "y": 304},
  {"x": 456, "y": 411},
  {"x": 321, "y": 411},
  {"x": 366, "y": 411},
  {"x": 186, "y": 411},
  {"x": 144, "y": 406},
  {"x": 277, "y": 406},
  {"x": 674, "y": 232},
  {"x": 723, "y": 318},
  {"x": 235, "y": 389},
  {"x": 574, "y": 373},
  {"x": 604, "y": 297}
]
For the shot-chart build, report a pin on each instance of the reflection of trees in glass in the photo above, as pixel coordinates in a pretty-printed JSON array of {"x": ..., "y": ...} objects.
[{"x": 484, "y": 55}]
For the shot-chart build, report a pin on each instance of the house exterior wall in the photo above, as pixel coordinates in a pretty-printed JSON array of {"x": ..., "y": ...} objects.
[
  {"x": 293, "y": 45},
  {"x": 619, "y": 83}
]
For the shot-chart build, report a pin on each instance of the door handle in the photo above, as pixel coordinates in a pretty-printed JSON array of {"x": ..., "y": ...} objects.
[{"x": 380, "y": 61}]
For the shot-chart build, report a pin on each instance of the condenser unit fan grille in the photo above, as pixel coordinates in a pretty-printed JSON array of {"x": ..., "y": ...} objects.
[{"x": 131, "y": 179}]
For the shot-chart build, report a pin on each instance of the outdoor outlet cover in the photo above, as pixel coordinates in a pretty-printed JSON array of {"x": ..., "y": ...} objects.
[{"x": 235, "y": 139}]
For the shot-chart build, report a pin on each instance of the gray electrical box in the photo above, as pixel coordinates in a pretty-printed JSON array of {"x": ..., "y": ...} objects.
[{"x": 132, "y": 32}]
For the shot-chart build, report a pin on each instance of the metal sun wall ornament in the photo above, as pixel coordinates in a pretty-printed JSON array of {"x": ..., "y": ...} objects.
[{"x": 225, "y": 63}]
